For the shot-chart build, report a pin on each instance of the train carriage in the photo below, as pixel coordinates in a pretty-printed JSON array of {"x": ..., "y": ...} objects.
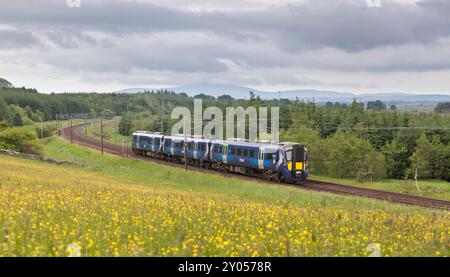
[{"x": 283, "y": 162}]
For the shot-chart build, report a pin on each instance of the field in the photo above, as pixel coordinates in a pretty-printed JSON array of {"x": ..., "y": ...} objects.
[
  {"x": 110, "y": 131},
  {"x": 115, "y": 207}
]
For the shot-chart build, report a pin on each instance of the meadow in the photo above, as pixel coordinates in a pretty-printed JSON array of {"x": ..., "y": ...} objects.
[{"x": 116, "y": 207}]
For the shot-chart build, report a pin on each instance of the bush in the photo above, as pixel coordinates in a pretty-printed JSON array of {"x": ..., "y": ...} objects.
[
  {"x": 46, "y": 131},
  {"x": 20, "y": 141}
]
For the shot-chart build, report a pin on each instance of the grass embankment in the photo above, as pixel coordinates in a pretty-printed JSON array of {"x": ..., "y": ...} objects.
[
  {"x": 125, "y": 207},
  {"x": 110, "y": 131}
]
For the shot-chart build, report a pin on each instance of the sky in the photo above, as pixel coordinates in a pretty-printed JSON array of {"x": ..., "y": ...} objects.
[{"x": 359, "y": 46}]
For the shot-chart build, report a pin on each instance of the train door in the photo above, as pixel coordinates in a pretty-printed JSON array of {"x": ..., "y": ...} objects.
[
  {"x": 161, "y": 144},
  {"x": 224, "y": 153},
  {"x": 261, "y": 159},
  {"x": 195, "y": 152}
]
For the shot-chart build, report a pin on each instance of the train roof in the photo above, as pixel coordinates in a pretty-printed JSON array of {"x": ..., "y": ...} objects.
[
  {"x": 235, "y": 142},
  {"x": 153, "y": 134}
]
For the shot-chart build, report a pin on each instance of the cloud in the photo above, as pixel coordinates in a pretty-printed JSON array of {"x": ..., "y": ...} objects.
[
  {"x": 249, "y": 42},
  {"x": 11, "y": 39}
]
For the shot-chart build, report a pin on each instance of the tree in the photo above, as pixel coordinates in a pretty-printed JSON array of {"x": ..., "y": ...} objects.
[
  {"x": 5, "y": 113},
  {"x": 443, "y": 108},
  {"x": 430, "y": 158},
  {"x": 125, "y": 124},
  {"x": 347, "y": 154},
  {"x": 397, "y": 159},
  {"x": 107, "y": 113},
  {"x": 373, "y": 167},
  {"x": 17, "y": 119},
  {"x": 376, "y": 105}
]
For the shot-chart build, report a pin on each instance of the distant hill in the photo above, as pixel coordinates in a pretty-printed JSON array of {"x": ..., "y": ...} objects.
[
  {"x": 318, "y": 96},
  {"x": 5, "y": 84}
]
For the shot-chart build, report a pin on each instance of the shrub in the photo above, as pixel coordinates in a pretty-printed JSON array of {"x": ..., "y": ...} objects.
[
  {"x": 46, "y": 131},
  {"x": 20, "y": 141}
]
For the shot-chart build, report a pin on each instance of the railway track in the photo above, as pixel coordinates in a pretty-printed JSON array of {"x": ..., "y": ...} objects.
[{"x": 77, "y": 135}]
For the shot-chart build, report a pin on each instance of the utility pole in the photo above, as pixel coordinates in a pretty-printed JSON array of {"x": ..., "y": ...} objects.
[
  {"x": 42, "y": 129},
  {"x": 123, "y": 152},
  {"x": 101, "y": 131},
  {"x": 56, "y": 122},
  {"x": 162, "y": 115},
  {"x": 71, "y": 131},
  {"x": 115, "y": 129},
  {"x": 185, "y": 148}
]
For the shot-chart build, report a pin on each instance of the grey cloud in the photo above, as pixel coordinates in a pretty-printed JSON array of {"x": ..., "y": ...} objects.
[
  {"x": 320, "y": 23},
  {"x": 12, "y": 39},
  {"x": 124, "y": 59}
]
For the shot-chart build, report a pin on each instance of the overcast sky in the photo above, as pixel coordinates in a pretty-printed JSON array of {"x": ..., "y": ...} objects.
[{"x": 343, "y": 45}]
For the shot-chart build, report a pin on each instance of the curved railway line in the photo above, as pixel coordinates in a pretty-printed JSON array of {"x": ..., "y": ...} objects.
[{"x": 77, "y": 135}]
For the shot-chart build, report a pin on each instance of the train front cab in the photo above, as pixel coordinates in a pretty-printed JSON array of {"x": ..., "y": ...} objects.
[{"x": 297, "y": 163}]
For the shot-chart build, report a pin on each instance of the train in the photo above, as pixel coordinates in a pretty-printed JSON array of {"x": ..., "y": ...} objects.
[{"x": 285, "y": 162}]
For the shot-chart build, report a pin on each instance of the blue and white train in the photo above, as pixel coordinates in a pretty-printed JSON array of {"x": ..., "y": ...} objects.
[{"x": 283, "y": 162}]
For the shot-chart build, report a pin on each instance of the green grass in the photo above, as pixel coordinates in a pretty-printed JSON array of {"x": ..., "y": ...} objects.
[
  {"x": 61, "y": 124},
  {"x": 428, "y": 188},
  {"x": 109, "y": 130}
]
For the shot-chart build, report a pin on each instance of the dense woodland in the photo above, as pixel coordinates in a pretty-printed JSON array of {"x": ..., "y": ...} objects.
[{"x": 363, "y": 141}]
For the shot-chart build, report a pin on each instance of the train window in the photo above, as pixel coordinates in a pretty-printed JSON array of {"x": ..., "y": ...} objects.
[
  {"x": 252, "y": 153},
  {"x": 289, "y": 155},
  {"x": 232, "y": 150},
  {"x": 239, "y": 152},
  {"x": 245, "y": 152},
  {"x": 269, "y": 156}
]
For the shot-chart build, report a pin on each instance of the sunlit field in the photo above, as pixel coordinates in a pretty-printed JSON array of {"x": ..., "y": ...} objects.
[{"x": 44, "y": 208}]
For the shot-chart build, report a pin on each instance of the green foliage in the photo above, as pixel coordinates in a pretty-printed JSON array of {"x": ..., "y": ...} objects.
[
  {"x": 143, "y": 121},
  {"x": 107, "y": 113},
  {"x": 342, "y": 155},
  {"x": 4, "y": 125},
  {"x": 431, "y": 158},
  {"x": 443, "y": 108},
  {"x": 376, "y": 105},
  {"x": 390, "y": 133},
  {"x": 125, "y": 125},
  {"x": 397, "y": 159},
  {"x": 17, "y": 119},
  {"x": 45, "y": 131},
  {"x": 5, "y": 112},
  {"x": 20, "y": 141},
  {"x": 346, "y": 155}
]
